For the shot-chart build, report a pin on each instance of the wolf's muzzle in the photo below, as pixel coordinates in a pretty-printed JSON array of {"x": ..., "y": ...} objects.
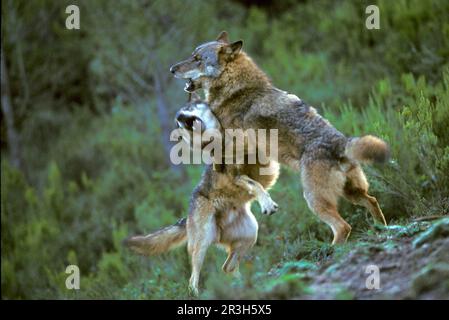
[
  {"x": 189, "y": 122},
  {"x": 174, "y": 68}
]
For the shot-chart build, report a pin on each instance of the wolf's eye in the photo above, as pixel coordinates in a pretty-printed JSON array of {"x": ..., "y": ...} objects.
[{"x": 197, "y": 58}]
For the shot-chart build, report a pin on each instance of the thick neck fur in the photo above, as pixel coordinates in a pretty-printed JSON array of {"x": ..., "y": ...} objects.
[{"x": 240, "y": 77}]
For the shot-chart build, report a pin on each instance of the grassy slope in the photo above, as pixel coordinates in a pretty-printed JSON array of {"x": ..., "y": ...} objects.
[{"x": 412, "y": 259}]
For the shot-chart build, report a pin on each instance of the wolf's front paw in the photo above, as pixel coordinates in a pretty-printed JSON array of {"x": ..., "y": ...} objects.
[{"x": 268, "y": 206}]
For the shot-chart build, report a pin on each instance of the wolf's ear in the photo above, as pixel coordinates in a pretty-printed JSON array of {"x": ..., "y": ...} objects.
[
  {"x": 223, "y": 37},
  {"x": 236, "y": 46},
  {"x": 231, "y": 50}
]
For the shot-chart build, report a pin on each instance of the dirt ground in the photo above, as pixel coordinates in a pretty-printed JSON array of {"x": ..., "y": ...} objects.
[{"x": 413, "y": 263}]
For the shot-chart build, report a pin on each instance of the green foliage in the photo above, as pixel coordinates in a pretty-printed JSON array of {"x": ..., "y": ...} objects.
[
  {"x": 415, "y": 180},
  {"x": 86, "y": 109}
]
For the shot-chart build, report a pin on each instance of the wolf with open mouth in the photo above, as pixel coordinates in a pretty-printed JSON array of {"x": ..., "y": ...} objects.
[
  {"x": 220, "y": 206},
  {"x": 240, "y": 95}
]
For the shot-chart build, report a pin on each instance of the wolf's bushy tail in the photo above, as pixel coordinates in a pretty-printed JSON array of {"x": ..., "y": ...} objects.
[
  {"x": 159, "y": 241},
  {"x": 367, "y": 149}
]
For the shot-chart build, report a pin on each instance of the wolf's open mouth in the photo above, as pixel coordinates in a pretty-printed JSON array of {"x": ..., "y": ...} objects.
[
  {"x": 190, "y": 123},
  {"x": 190, "y": 86}
]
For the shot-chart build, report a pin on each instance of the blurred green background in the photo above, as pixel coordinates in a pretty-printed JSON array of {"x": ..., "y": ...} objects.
[{"x": 86, "y": 115}]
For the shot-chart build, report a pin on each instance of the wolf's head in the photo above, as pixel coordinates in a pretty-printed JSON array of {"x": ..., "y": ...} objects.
[
  {"x": 208, "y": 59},
  {"x": 195, "y": 116}
]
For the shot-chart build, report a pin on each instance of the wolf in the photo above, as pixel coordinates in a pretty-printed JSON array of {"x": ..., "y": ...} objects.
[
  {"x": 219, "y": 207},
  {"x": 241, "y": 95}
]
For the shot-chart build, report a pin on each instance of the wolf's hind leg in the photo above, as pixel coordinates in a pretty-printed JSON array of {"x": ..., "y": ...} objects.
[
  {"x": 328, "y": 213},
  {"x": 323, "y": 186},
  {"x": 232, "y": 262},
  {"x": 201, "y": 233},
  {"x": 372, "y": 205},
  {"x": 356, "y": 191},
  {"x": 267, "y": 205},
  {"x": 239, "y": 237},
  {"x": 235, "y": 254}
]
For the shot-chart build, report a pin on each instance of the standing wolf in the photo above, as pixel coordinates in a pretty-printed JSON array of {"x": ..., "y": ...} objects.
[
  {"x": 219, "y": 207},
  {"x": 241, "y": 96}
]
